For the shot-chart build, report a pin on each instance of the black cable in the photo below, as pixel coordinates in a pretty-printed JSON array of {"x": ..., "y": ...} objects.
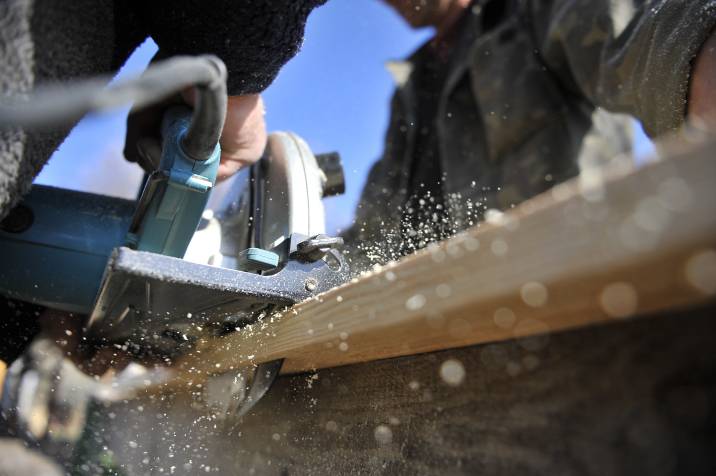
[
  {"x": 207, "y": 121},
  {"x": 54, "y": 105}
]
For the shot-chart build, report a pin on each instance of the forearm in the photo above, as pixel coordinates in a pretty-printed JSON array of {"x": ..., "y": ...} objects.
[
  {"x": 702, "y": 89},
  {"x": 643, "y": 64},
  {"x": 253, "y": 37}
]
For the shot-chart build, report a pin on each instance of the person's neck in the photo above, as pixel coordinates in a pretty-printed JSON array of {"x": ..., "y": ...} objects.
[{"x": 444, "y": 27}]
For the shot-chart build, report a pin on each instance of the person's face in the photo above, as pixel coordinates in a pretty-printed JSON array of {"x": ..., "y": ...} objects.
[{"x": 420, "y": 13}]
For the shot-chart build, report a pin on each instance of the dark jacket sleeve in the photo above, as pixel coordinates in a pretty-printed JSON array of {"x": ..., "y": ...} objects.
[
  {"x": 626, "y": 56},
  {"x": 255, "y": 38}
]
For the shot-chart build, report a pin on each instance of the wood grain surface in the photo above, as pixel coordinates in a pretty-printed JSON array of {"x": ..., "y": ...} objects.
[{"x": 593, "y": 250}]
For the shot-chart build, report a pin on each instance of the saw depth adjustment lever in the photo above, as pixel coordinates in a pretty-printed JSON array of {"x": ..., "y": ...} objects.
[{"x": 316, "y": 247}]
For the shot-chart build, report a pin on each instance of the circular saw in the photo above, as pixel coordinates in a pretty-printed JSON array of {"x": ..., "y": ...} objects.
[{"x": 260, "y": 245}]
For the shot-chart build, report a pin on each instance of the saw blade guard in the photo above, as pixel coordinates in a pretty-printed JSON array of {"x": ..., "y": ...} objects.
[
  {"x": 264, "y": 205},
  {"x": 293, "y": 192}
]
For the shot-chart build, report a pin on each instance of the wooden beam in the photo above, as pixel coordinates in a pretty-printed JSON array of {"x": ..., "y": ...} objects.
[{"x": 589, "y": 251}]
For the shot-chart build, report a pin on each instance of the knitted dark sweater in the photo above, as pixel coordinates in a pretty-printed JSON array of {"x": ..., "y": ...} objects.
[{"x": 50, "y": 40}]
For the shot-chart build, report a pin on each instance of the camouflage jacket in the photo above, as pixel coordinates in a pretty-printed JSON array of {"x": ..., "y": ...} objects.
[{"x": 515, "y": 112}]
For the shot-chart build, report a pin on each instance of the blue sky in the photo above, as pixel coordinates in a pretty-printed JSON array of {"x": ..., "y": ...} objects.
[{"x": 334, "y": 94}]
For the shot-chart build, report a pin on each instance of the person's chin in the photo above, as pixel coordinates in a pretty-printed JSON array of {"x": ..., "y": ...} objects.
[{"x": 418, "y": 22}]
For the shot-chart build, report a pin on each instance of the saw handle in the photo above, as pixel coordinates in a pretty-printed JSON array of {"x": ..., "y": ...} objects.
[{"x": 175, "y": 195}]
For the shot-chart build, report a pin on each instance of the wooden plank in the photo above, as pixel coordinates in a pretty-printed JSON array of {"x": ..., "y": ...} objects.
[{"x": 590, "y": 251}]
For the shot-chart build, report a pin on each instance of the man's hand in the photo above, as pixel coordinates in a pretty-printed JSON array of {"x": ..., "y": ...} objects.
[
  {"x": 242, "y": 141},
  {"x": 702, "y": 93},
  {"x": 244, "y": 137}
]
